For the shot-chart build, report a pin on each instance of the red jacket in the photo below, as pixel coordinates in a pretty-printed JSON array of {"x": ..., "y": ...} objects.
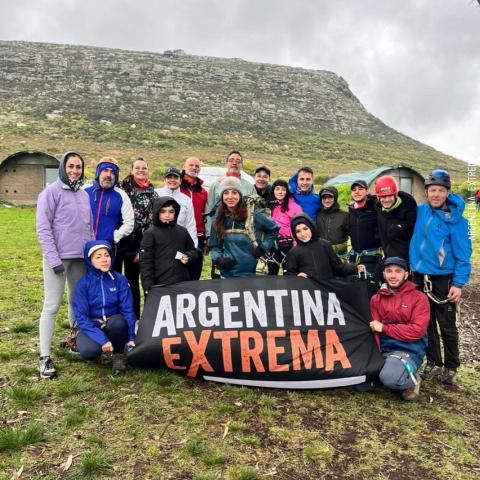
[
  {"x": 405, "y": 315},
  {"x": 199, "y": 199}
]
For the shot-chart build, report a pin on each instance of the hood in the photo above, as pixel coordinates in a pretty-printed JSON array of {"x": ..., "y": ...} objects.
[
  {"x": 330, "y": 190},
  {"x": 408, "y": 286},
  {"x": 158, "y": 204},
  {"x": 293, "y": 184},
  {"x": 86, "y": 258},
  {"x": 103, "y": 166},
  {"x": 456, "y": 206},
  {"x": 303, "y": 218},
  {"x": 62, "y": 174}
]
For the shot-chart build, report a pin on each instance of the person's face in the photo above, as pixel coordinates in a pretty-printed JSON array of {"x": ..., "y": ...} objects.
[
  {"x": 437, "y": 195},
  {"x": 166, "y": 214},
  {"x": 261, "y": 180},
  {"x": 394, "y": 275},
  {"x": 234, "y": 163},
  {"x": 303, "y": 233},
  {"x": 327, "y": 201},
  {"x": 387, "y": 201},
  {"x": 107, "y": 178},
  {"x": 192, "y": 167},
  {"x": 73, "y": 168},
  {"x": 101, "y": 260},
  {"x": 231, "y": 198},
  {"x": 140, "y": 170},
  {"x": 172, "y": 182},
  {"x": 279, "y": 192},
  {"x": 359, "y": 193},
  {"x": 305, "y": 181}
]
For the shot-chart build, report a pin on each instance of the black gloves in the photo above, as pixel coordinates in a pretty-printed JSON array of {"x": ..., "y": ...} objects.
[
  {"x": 224, "y": 262},
  {"x": 258, "y": 252}
]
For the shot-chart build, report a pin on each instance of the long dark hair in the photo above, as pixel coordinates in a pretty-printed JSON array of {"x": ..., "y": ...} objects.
[
  {"x": 238, "y": 215},
  {"x": 273, "y": 201}
]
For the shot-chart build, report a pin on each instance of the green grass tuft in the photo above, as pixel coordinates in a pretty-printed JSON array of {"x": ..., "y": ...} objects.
[
  {"x": 94, "y": 464},
  {"x": 25, "y": 397},
  {"x": 242, "y": 473},
  {"x": 16, "y": 438}
]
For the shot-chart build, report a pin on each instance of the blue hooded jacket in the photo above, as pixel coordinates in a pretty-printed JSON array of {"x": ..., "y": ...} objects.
[
  {"x": 101, "y": 295},
  {"x": 310, "y": 201},
  {"x": 440, "y": 244}
]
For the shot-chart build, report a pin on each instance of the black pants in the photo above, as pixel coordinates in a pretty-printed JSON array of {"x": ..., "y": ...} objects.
[
  {"x": 373, "y": 266},
  {"x": 132, "y": 272},
  {"x": 443, "y": 317},
  {"x": 195, "y": 267}
]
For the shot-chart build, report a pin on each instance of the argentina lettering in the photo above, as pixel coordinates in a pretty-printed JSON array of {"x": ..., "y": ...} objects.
[{"x": 279, "y": 332}]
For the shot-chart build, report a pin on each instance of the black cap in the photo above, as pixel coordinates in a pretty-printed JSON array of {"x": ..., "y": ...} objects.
[
  {"x": 395, "y": 261},
  {"x": 362, "y": 183},
  {"x": 264, "y": 169},
  {"x": 172, "y": 171}
]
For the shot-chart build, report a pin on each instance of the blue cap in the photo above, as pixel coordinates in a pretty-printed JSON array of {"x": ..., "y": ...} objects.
[{"x": 395, "y": 261}]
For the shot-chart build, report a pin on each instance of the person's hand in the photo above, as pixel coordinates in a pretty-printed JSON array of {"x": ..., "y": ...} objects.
[
  {"x": 225, "y": 262},
  {"x": 185, "y": 259},
  {"x": 361, "y": 268},
  {"x": 136, "y": 258},
  {"x": 454, "y": 294},
  {"x": 302, "y": 274},
  {"x": 107, "y": 347},
  {"x": 376, "y": 326}
]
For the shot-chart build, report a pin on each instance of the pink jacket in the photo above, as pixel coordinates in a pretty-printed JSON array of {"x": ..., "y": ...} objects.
[{"x": 282, "y": 219}]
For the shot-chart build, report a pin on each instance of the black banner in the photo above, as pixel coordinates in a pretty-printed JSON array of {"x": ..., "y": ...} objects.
[{"x": 278, "y": 332}]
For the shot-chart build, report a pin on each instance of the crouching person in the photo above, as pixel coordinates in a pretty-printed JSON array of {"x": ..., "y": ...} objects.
[
  {"x": 400, "y": 315},
  {"x": 103, "y": 307}
]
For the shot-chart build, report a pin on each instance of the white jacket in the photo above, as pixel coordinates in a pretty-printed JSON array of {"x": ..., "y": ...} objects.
[{"x": 186, "y": 217}]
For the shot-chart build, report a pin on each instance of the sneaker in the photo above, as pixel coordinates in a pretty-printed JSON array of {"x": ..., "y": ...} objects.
[
  {"x": 430, "y": 371},
  {"x": 46, "y": 368},
  {"x": 448, "y": 376},
  {"x": 411, "y": 394},
  {"x": 71, "y": 341},
  {"x": 118, "y": 363}
]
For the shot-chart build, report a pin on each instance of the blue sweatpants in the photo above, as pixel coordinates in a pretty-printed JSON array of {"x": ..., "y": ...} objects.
[{"x": 393, "y": 374}]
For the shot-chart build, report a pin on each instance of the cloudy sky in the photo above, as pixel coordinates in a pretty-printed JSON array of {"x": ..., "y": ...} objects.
[{"x": 415, "y": 64}]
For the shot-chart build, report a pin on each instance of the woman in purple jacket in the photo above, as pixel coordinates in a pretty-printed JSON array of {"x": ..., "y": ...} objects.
[{"x": 64, "y": 225}]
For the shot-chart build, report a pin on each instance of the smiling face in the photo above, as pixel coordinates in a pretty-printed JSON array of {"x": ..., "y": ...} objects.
[
  {"x": 101, "y": 260},
  {"x": 279, "y": 192},
  {"x": 261, "y": 180},
  {"x": 327, "y": 201},
  {"x": 304, "y": 181},
  {"x": 192, "y": 167},
  {"x": 140, "y": 170},
  {"x": 231, "y": 198},
  {"x": 73, "y": 168},
  {"x": 387, "y": 201},
  {"x": 437, "y": 196},
  {"x": 303, "y": 233},
  {"x": 234, "y": 163},
  {"x": 395, "y": 276},
  {"x": 359, "y": 193},
  {"x": 172, "y": 182},
  {"x": 106, "y": 178}
]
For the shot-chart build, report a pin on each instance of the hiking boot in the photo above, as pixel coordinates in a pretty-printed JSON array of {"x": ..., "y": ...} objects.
[
  {"x": 46, "y": 368},
  {"x": 71, "y": 341},
  {"x": 118, "y": 363},
  {"x": 411, "y": 394},
  {"x": 448, "y": 376},
  {"x": 430, "y": 371}
]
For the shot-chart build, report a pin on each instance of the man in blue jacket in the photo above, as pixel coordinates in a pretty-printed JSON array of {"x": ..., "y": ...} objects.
[
  {"x": 301, "y": 186},
  {"x": 440, "y": 252}
]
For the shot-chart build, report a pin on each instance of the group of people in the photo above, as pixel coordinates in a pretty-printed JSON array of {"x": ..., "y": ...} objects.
[{"x": 89, "y": 235}]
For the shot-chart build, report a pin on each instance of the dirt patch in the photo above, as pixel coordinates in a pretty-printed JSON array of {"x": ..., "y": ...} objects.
[{"x": 469, "y": 325}]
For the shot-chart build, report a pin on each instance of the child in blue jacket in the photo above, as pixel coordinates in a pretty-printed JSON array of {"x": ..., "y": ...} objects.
[{"x": 103, "y": 307}]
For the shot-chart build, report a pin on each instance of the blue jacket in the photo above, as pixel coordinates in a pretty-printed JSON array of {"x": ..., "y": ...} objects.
[
  {"x": 310, "y": 202},
  {"x": 440, "y": 244},
  {"x": 238, "y": 246},
  {"x": 113, "y": 217},
  {"x": 101, "y": 295}
]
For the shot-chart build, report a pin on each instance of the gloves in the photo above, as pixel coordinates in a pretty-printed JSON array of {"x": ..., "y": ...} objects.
[
  {"x": 258, "y": 252},
  {"x": 225, "y": 262}
]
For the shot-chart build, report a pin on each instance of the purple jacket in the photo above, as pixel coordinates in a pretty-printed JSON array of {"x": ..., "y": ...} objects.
[{"x": 64, "y": 222}]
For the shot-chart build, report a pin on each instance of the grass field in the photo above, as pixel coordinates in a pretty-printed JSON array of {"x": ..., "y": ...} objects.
[{"x": 88, "y": 424}]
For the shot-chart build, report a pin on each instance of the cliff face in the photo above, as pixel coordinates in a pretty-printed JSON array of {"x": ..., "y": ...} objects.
[{"x": 175, "y": 89}]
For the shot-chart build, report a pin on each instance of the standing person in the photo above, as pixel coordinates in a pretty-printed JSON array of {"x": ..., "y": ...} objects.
[
  {"x": 396, "y": 216},
  {"x": 192, "y": 187},
  {"x": 440, "y": 252},
  {"x": 301, "y": 186},
  {"x": 103, "y": 306},
  {"x": 64, "y": 225},
  {"x": 364, "y": 235},
  {"x": 234, "y": 164},
  {"x": 113, "y": 217},
  {"x": 262, "y": 179},
  {"x": 140, "y": 191},
  {"x": 166, "y": 247},
  {"x": 240, "y": 234},
  {"x": 284, "y": 208},
  {"x": 400, "y": 316},
  {"x": 332, "y": 222},
  {"x": 314, "y": 257},
  {"x": 186, "y": 217}
]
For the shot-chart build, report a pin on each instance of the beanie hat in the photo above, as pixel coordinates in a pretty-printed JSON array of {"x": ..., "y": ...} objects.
[
  {"x": 105, "y": 163},
  {"x": 230, "y": 183}
]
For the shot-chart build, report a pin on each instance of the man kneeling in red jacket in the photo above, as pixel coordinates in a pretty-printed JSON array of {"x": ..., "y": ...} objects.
[{"x": 400, "y": 315}]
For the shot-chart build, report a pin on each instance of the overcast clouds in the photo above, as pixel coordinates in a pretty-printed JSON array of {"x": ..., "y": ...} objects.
[{"x": 415, "y": 64}]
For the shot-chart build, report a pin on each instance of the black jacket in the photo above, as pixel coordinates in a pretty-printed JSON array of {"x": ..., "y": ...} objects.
[
  {"x": 332, "y": 224},
  {"x": 159, "y": 246},
  {"x": 316, "y": 258},
  {"x": 363, "y": 226},
  {"x": 396, "y": 226}
]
